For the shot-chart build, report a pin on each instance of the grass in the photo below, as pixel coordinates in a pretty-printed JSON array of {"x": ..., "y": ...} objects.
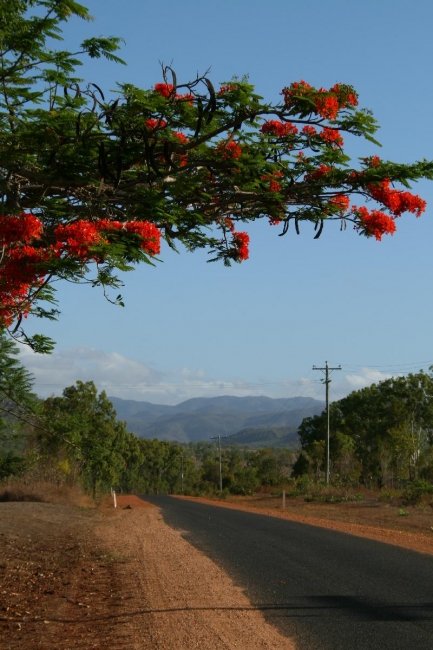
[
  {"x": 44, "y": 492},
  {"x": 112, "y": 557}
]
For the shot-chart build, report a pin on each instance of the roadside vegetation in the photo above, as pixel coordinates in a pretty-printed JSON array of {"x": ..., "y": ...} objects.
[{"x": 382, "y": 437}]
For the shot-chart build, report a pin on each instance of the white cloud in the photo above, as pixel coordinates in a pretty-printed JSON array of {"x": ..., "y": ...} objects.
[
  {"x": 366, "y": 377},
  {"x": 131, "y": 379},
  {"x": 340, "y": 387},
  {"x": 128, "y": 378},
  {"x": 110, "y": 371}
]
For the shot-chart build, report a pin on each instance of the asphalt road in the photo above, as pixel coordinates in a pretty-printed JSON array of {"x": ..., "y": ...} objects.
[{"x": 327, "y": 590}]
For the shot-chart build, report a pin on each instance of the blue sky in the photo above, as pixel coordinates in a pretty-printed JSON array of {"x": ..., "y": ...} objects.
[{"x": 195, "y": 329}]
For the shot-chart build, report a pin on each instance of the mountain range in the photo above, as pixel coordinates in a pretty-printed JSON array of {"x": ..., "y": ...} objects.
[{"x": 252, "y": 421}]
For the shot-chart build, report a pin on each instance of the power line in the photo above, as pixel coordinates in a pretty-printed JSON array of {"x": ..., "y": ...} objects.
[
  {"x": 303, "y": 381},
  {"x": 293, "y": 387},
  {"x": 337, "y": 394},
  {"x": 417, "y": 364}
]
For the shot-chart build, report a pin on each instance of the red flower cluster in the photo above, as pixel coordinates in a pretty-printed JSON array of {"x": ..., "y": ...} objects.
[
  {"x": 327, "y": 105},
  {"x": 25, "y": 260},
  {"x": 372, "y": 161},
  {"x": 321, "y": 171},
  {"x": 397, "y": 201},
  {"x": 149, "y": 233},
  {"x": 10, "y": 301},
  {"x": 180, "y": 136},
  {"x": 20, "y": 228},
  {"x": 280, "y": 129},
  {"x": 153, "y": 124},
  {"x": 229, "y": 149},
  {"x": 341, "y": 202},
  {"x": 332, "y": 136},
  {"x": 309, "y": 130},
  {"x": 226, "y": 89},
  {"x": 228, "y": 224},
  {"x": 106, "y": 225},
  {"x": 330, "y": 102},
  {"x": 346, "y": 95},
  {"x": 186, "y": 98},
  {"x": 21, "y": 265},
  {"x": 167, "y": 90},
  {"x": 76, "y": 238},
  {"x": 297, "y": 88},
  {"x": 21, "y": 270},
  {"x": 274, "y": 185},
  {"x": 327, "y": 102},
  {"x": 374, "y": 223},
  {"x": 240, "y": 240}
]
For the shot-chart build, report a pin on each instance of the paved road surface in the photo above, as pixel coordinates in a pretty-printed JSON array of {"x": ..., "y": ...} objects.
[{"x": 327, "y": 590}]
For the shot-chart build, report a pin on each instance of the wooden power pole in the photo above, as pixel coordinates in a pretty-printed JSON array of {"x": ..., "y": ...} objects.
[
  {"x": 327, "y": 370},
  {"x": 218, "y": 437}
]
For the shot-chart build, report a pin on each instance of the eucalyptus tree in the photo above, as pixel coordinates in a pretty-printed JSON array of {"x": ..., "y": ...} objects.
[{"x": 82, "y": 428}]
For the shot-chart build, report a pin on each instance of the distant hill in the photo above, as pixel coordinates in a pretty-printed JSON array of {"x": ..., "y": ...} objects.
[
  {"x": 265, "y": 437},
  {"x": 252, "y": 421}
]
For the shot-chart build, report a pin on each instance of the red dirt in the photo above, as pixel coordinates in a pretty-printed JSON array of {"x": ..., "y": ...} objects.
[{"x": 81, "y": 579}]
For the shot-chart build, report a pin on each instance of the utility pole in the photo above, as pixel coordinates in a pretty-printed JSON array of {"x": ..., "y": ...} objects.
[
  {"x": 327, "y": 370},
  {"x": 219, "y": 450},
  {"x": 181, "y": 472}
]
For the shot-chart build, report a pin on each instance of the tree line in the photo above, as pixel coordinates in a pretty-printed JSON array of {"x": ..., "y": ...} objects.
[
  {"x": 77, "y": 439},
  {"x": 381, "y": 435}
]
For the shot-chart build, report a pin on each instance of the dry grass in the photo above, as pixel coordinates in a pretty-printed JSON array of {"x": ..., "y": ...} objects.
[
  {"x": 375, "y": 508},
  {"x": 45, "y": 492}
]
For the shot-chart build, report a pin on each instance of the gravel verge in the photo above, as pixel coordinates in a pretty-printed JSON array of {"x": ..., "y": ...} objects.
[{"x": 116, "y": 579}]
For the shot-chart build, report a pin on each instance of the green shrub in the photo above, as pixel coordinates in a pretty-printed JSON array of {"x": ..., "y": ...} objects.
[
  {"x": 415, "y": 491},
  {"x": 387, "y": 495},
  {"x": 238, "y": 490},
  {"x": 333, "y": 498},
  {"x": 302, "y": 486}
]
